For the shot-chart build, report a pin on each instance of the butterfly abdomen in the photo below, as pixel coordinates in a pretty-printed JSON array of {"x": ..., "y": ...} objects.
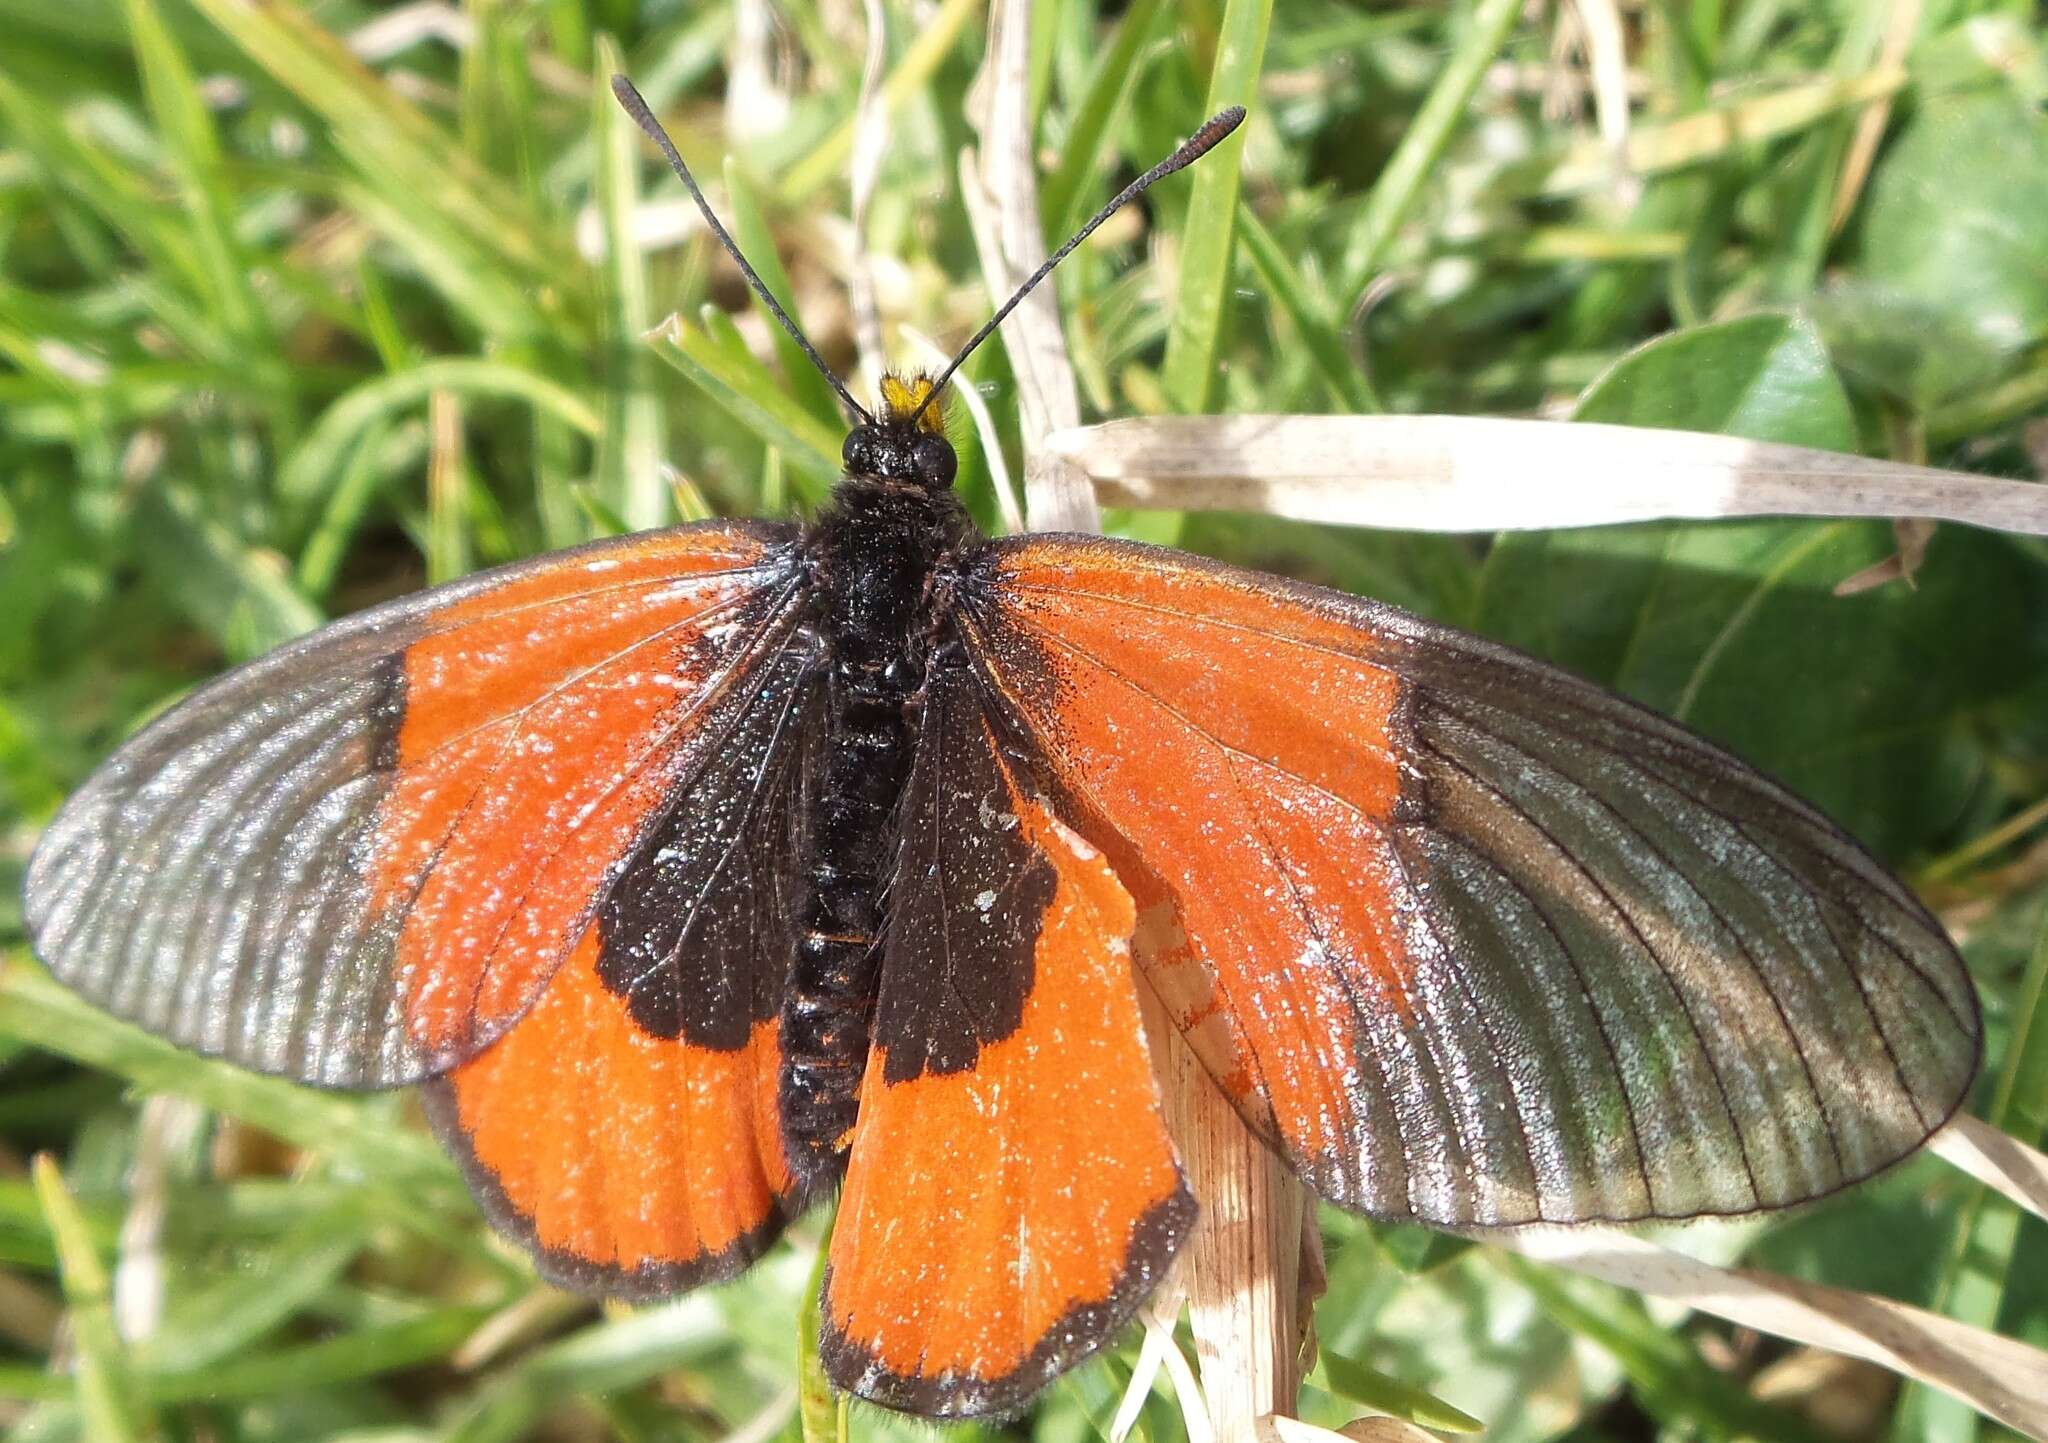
[{"x": 871, "y": 555}]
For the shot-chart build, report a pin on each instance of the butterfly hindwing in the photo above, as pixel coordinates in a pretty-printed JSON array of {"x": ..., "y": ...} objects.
[
  {"x": 628, "y": 1128},
  {"x": 1011, "y": 1194},
  {"x": 1470, "y": 940},
  {"x": 356, "y": 860}
]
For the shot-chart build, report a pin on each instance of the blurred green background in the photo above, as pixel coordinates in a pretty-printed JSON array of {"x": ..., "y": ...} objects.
[{"x": 306, "y": 304}]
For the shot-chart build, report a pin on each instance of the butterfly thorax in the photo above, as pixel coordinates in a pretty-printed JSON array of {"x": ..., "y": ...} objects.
[{"x": 891, "y": 524}]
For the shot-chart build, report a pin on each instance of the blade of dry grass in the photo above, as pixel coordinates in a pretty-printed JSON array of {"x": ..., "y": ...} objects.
[
  {"x": 1689, "y": 139},
  {"x": 1996, "y": 1160},
  {"x": 1469, "y": 473},
  {"x": 1000, "y": 187},
  {"x": 2003, "y": 1379},
  {"x": 1240, "y": 1268}
]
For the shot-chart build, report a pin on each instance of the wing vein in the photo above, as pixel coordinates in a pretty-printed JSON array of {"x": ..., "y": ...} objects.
[
  {"x": 1493, "y": 864},
  {"x": 1642, "y": 941},
  {"x": 1713, "y": 908}
]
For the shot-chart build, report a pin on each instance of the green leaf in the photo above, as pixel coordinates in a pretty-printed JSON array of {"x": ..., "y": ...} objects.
[
  {"x": 335, "y": 437},
  {"x": 1673, "y": 1382},
  {"x": 1977, "y": 1274},
  {"x": 1765, "y": 377},
  {"x": 1955, "y": 215},
  {"x": 913, "y": 71},
  {"x": 1346, "y": 384},
  {"x": 397, "y": 148},
  {"x": 1401, "y": 179},
  {"x": 1115, "y": 68},
  {"x": 620, "y": 1352},
  {"x": 350, "y": 1357},
  {"x": 1735, "y": 628},
  {"x": 820, "y": 1408},
  {"x": 751, "y": 232},
  {"x": 243, "y": 595},
  {"x": 218, "y": 1320},
  {"x": 725, "y": 371},
  {"x": 196, "y": 156}
]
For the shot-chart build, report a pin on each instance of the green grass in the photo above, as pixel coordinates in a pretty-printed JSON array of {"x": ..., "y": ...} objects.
[{"x": 282, "y": 334}]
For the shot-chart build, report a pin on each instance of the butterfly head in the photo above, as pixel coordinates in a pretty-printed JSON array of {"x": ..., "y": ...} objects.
[{"x": 907, "y": 441}]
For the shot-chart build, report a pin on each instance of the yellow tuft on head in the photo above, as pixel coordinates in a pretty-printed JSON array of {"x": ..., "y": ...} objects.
[{"x": 901, "y": 395}]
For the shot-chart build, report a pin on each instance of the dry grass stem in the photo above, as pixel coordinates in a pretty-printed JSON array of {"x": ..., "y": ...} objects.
[
  {"x": 1902, "y": 18},
  {"x": 167, "y": 1127},
  {"x": 1607, "y": 65},
  {"x": 1000, "y": 188},
  {"x": 1472, "y": 473},
  {"x": 1240, "y": 1268},
  {"x": 870, "y": 145},
  {"x": 2003, "y": 1379},
  {"x": 1999, "y": 1161}
]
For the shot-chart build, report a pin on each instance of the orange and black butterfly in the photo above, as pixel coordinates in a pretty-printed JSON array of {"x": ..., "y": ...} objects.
[{"x": 698, "y": 874}]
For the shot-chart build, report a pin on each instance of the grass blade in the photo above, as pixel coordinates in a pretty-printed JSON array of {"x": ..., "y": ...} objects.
[
  {"x": 632, "y": 442},
  {"x": 194, "y": 147},
  {"x": 746, "y": 389},
  {"x": 307, "y": 473},
  {"x": 1977, "y": 1273},
  {"x": 1192, "y": 341},
  {"x": 1478, "y": 473},
  {"x": 1394, "y": 193},
  {"x": 1061, "y": 198},
  {"x": 35, "y": 1010},
  {"x": 114, "y": 1409}
]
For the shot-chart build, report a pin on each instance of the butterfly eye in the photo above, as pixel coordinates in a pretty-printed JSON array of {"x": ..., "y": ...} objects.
[
  {"x": 858, "y": 454},
  {"x": 933, "y": 461}
]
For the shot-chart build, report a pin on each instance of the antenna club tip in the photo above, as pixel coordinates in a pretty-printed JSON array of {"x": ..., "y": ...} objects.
[{"x": 1215, "y": 129}]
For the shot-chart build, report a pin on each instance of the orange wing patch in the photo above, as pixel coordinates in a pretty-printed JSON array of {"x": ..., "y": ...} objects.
[
  {"x": 544, "y": 721},
  {"x": 1012, "y": 1193},
  {"x": 630, "y": 1165},
  {"x": 1241, "y": 786},
  {"x": 628, "y": 1127}
]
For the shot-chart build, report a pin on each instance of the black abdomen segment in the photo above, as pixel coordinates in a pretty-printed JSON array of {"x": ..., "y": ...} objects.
[
  {"x": 826, "y": 1015},
  {"x": 872, "y": 553}
]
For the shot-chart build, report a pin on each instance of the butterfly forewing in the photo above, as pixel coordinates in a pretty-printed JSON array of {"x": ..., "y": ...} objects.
[
  {"x": 1471, "y": 941},
  {"x": 355, "y": 861},
  {"x": 628, "y": 1128}
]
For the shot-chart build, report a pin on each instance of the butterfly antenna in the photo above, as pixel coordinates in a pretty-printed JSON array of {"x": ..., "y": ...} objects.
[
  {"x": 1192, "y": 149},
  {"x": 643, "y": 117}
]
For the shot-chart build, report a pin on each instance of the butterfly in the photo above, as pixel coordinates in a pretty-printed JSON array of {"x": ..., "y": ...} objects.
[{"x": 698, "y": 874}]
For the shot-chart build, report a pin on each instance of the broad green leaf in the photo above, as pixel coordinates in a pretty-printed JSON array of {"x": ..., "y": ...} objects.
[
  {"x": 1860, "y": 702},
  {"x": 1956, "y": 212}
]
